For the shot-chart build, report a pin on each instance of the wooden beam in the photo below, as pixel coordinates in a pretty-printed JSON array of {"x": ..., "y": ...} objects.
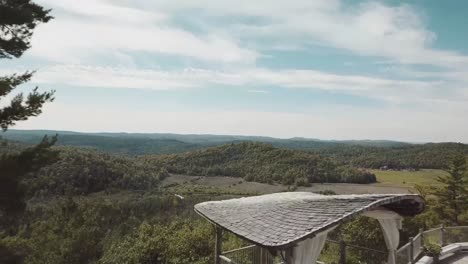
[
  {"x": 342, "y": 251},
  {"x": 219, "y": 244},
  {"x": 289, "y": 255}
]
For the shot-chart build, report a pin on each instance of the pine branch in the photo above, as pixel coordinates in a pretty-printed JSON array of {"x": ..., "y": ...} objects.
[
  {"x": 9, "y": 83},
  {"x": 20, "y": 110}
]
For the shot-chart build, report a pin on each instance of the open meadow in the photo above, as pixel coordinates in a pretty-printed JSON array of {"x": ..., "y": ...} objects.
[
  {"x": 405, "y": 178},
  {"x": 389, "y": 181}
]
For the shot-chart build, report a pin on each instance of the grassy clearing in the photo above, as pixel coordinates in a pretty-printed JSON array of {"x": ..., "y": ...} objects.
[
  {"x": 408, "y": 178},
  {"x": 230, "y": 185}
]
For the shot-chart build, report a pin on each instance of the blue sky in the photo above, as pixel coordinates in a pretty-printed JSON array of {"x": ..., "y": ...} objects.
[{"x": 326, "y": 69}]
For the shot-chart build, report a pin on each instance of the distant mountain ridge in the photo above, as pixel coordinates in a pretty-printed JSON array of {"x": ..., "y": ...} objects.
[
  {"x": 356, "y": 153},
  {"x": 165, "y": 143}
]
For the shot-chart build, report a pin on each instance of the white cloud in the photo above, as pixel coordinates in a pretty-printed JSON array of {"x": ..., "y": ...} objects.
[
  {"x": 398, "y": 33},
  {"x": 112, "y": 77},
  {"x": 97, "y": 28},
  {"x": 116, "y": 77},
  {"x": 104, "y": 11},
  {"x": 93, "y": 27},
  {"x": 86, "y": 29}
]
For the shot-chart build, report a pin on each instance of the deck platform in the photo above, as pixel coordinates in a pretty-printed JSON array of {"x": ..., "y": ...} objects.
[{"x": 461, "y": 258}]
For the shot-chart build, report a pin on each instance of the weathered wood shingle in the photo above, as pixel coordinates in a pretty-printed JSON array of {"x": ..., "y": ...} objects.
[{"x": 277, "y": 220}]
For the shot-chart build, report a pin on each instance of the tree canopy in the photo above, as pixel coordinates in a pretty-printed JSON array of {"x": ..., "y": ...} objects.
[
  {"x": 18, "y": 19},
  {"x": 452, "y": 197}
]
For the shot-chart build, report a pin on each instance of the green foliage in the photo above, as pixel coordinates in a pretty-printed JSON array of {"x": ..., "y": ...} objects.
[
  {"x": 452, "y": 197},
  {"x": 111, "y": 228},
  {"x": 18, "y": 19},
  {"x": 365, "y": 232},
  {"x": 261, "y": 163},
  {"x": 20, "y": 109},
  {"x": 364, "y": 154},
  {"x": 431, "y": 248},
  {"x": 446, "y": 202},
  {"x": 421, "y": 156},
  {"x": 81, "y": 171},
  {"x": 181, "y": 241},
  {"x": 112, "y": 144},
  {"x": 123, "y": 216},
  {"x": 14, "y": 167}
]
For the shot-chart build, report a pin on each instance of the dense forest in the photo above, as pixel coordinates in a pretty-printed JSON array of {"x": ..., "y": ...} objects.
[
  {"x": 357, "y": 153},
  {"x": 81, "y": 171},
  {"x": 101, "y": 205},
  {"x": 428, "y": 156},
  {"x": 88, "y": 205},
  {"x": 96, "y": 207},
  {"x": 262, "y": 163}
]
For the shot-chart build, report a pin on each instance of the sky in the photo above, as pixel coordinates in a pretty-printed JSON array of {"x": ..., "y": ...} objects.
[{"x": 327, "y": 69}]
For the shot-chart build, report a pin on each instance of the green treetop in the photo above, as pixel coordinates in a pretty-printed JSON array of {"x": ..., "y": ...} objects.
[
  {"x": 18, "y": 19},
  {"x": 453, "y": 196}
]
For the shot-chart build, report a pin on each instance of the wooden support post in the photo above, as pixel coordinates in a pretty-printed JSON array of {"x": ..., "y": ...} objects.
[
  {"x": 289, "y": 255},
  {"x": 342, "y": 252},
  {"x": 411, "y": 250},
  {"x": 421, "y": 232},
  {"x": 443, "y": 238},
  {"x": 218, "y": 245},
  {"x": 264, "y": 256}
]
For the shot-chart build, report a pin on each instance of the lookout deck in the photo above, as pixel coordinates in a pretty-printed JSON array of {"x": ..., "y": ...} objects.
[{"x": 458, "y": 259}]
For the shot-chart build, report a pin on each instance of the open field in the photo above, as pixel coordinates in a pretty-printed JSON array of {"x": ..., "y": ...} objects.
[
  {"x": 388, "y": 182},
  {"x": 407, "y": 178},
  {"x": 239, "y": 185}
]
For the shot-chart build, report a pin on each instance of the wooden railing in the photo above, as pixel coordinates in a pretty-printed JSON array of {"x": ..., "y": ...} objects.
[
  {"x": 408, "y": 253},
  {"x": 249, "y": 255},
  {"x": 257, "y": 255},
  {"x": 413, "y": 250}
]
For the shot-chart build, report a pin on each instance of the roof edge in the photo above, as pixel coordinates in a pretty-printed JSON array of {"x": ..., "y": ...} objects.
[{"x": 381, "y": 202}]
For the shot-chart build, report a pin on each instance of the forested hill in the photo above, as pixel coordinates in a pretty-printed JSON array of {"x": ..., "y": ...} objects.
[
  {"x": 111, "y": 144},
  {"x": 357, "y": 153},
  {"x": 428, "y": 156},
  {"x": 82, "y": 171},
  {"x": 156, "y": 143},
  {"x": 262, "y": 163}
]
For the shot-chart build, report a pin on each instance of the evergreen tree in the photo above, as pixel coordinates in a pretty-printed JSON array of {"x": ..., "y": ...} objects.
[
  {"x": 452, "y": 198},
  {"x": 18, "y": 19}
]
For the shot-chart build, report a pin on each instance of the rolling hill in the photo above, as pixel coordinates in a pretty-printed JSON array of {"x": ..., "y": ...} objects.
[
  {"x": 357, "y": 153},
  {"x": 261, "y": 162},
  {"x": 163, "y": 143}
]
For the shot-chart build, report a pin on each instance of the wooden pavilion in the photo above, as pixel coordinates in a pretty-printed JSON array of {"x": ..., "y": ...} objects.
[{"x": 294, "y": 225}]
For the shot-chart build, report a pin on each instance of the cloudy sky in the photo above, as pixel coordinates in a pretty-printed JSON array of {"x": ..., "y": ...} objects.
[{"x": 326, "y": 69}]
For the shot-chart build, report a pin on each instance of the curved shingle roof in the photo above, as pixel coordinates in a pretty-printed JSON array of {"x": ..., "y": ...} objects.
[{"x": 280, "y": 219}]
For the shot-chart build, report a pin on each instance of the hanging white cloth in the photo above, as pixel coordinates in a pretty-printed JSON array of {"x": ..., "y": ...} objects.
[
  {"x": 390, "y": 223},
  {"x": 308, "y": 251}
]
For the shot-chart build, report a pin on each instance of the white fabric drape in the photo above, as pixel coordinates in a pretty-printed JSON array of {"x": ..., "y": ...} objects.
[
  {"x": 308, "y": 251},
  {"x": 390, "y": 223}
]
